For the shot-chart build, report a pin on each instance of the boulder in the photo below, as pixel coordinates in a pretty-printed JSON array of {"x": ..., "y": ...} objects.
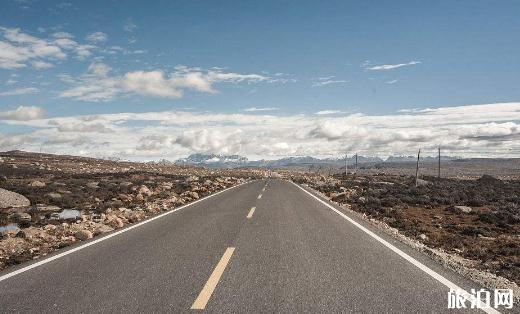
[
  {"x": 83, "y": 235},
  {"x": 102, "y": 229},
  {"x": 144, "y": 190},
  {"x": 50, "y": 228},
  {"x": 12, "y": 199},
  {"x": 93, "y": 185},
  {"x": 54, "y": 195},
  {"x": 115, "y": 222},
  {"x": 462, "y": 209},
  {"x": 192, "y": 179},
  {"x": 22, "y": 217},
  {"x": 421, "y": 182},
  {"x": 47, "y": 208},
  {"x": 37, "y": 184},
  {"x": 8, "y": 231}
]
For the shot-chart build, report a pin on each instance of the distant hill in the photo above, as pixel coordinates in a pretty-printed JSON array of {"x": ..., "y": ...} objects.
[
  {"x": 235, "y": 161},
  {"x": 214, "y": 160}
]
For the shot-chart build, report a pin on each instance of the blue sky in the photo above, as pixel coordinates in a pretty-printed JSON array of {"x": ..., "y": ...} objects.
[{"x": 291, "y": 58}]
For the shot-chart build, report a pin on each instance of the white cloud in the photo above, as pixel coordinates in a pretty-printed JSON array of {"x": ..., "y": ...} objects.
[
  {"x": 327, "y": 80},
  {"x": 254, "y": 109},
  {"x": 23, "y": 113},
  {"x": 98, "y": 85},
  {"x": 97, "y": 37},
  {"x": 19, "y": 49},
  {"x": 328, "y": 112},
  {"x": 41, "y": 65},
  {"x": 129, "y": 26},
  {"x": 391, "y": 82},
  {"x": 463, "y": 130},
  {"x": 99, "y": 69},
  {"x": 385, "y": 67},
  {"x": 20, "y": 91}
]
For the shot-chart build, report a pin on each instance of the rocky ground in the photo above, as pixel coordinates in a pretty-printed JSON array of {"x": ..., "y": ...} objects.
[
  {"x": 48, "y": 202},
  {"x": 465, "y": 169},
  {"x": 477, "y": 220}
]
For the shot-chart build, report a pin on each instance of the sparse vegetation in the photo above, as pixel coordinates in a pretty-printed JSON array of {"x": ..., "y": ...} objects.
[{"x": 477, "y": 219}]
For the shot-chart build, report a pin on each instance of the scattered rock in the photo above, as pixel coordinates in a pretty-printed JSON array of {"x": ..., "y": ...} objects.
[
  {"x": 54, "y": 195},
  {"x": 462, "y": 209},
  {"x": 421, "y": 182},
  {"x": 83, "y": 235},
  {"x": 423, "y": 237},
  {"x": 192, "y": 179},
  {"x": 12, "y": 199},
  {"x": 102, "y": 229},
  {"x": 37, "y": 184},
  {"x": 50, "y": 228},
  {"x": 9, "y": 231},
  {"x": 115, "y": 222},
  {"x": 47, "y": 208},
  {"x": 22, "y": 217},
  {"x": 93, "y": 185},
  {"x": 144, "y": 190}
]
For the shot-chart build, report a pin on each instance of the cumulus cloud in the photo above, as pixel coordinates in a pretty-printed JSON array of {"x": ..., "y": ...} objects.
[
  {"x": 98, "y": 85},
  {"x": 97, "y": 37},
  {"x": 462, "y": 130},
  {"x": 385, "y": 67},
  {"x": 19, "y": 49},
  {"x": 20, "y": 91},
  {"x": 23, "y": 113}
]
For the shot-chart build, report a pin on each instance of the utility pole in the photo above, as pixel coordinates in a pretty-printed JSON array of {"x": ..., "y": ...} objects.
[
  {"x": 417, "y": 168},
  {"x": 346, "y": 164},
  {"x": 439, "y": 172}
]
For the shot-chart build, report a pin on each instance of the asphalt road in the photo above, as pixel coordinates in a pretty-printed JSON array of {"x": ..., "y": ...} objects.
[{"x": 291, "y": 253}]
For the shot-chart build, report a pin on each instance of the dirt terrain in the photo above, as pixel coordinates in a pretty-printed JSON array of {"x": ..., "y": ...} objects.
[
  {"x": 476, "y": 219},
  {"x": 49, "y": 202}
]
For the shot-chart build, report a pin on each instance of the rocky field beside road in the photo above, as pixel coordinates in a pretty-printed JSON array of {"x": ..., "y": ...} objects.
[
  {"x": 49, "y": 202},
  {"x": 476, "y": 221}
]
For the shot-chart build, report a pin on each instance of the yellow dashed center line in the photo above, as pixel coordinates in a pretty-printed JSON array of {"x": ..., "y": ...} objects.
[
  {"x": 209, "y": 287},
  {"x": 251, "y": 211}
]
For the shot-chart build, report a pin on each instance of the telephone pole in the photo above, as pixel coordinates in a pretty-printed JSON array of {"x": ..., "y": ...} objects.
[
  {"x": 346, "y": 164},
  {"x": 417, "y": 169},
  {"x": 439, "y": 172}
]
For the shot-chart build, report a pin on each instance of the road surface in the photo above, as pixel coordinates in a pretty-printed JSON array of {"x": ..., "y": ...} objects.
[{"x": 264, "y": 246}]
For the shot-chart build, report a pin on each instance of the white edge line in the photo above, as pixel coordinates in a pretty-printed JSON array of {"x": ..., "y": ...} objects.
[
  {"x": 407, "y": 257},
  {"x": 54, "y": 257}
]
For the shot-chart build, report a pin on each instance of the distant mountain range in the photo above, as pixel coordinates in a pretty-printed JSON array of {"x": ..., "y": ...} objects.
[{"x": 236, "y": 161}]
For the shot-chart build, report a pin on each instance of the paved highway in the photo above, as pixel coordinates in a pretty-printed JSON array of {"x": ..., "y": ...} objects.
[{"x": 264, "y": 246}]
